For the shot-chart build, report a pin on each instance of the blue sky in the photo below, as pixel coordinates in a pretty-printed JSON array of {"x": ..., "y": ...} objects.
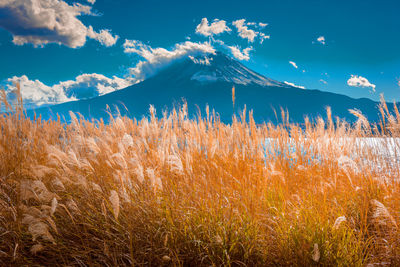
[{"x": 360, "y": 38}]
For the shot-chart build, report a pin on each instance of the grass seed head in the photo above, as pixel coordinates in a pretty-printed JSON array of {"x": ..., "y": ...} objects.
[
  {"x": 114, "y": 199},
  {"x": 316, "y": 254}
]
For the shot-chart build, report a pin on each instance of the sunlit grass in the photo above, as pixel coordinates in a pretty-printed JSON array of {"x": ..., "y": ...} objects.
[{"x": 175, "y": 191}]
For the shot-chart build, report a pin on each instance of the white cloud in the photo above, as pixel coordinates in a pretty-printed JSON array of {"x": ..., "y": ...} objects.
[
  {"x": 263, "y": 36},
  {"x": 215, "y": 28},
  {"x": 262, "y": 25},
  {"x": 235, "y": 51},
  {"x": 240, "y": 54},
  {"x": 219, "y": 26},
  {"x": 249, "y": 34},
  {"x": 358, "y": 81},
  {"x": 293, "y": 64},
  {"x": 40, "y": 22},
  {"x": 91, "y": 1},
  {"x": 35, "y": 93},
  {"x": 292, "y": 84},
  {"x": 104, "y": 36},
  {"x": 91, "y": 85},
  {"x": 321, "y": 40},
  {"x": 159, "y": 58},
  {"x": 244, "y": 31}
]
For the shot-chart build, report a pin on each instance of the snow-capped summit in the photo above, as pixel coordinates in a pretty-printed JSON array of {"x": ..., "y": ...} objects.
[{"x": 220, "y": 67}]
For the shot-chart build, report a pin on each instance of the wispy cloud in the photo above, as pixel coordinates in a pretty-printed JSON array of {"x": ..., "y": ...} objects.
[
  {"x": 104, "y": 36},
  {"x": 321, "y": 40},
  {"x": 292, "y": 84},
  {"x": 40, "y": 22},
  {"x": 323, "y": 81},
  {"x": 293, "y": 64},
  {"x": 215, "y": 28},
  {"x": 263, "y": 37},
  {"x": 262, "y": 25},
  {"x": 249, "y": 34},
  {"x": 359, "y": 81}
]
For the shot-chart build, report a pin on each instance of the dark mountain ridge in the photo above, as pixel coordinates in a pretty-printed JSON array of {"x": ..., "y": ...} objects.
[{"x": 203, "y": 81}]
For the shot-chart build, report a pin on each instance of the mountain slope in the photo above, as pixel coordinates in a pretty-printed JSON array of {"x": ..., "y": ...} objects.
[{"x": 209, "y": 81}]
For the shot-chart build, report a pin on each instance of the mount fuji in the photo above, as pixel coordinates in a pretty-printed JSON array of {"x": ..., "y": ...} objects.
[{"x": 202, "y": 81}]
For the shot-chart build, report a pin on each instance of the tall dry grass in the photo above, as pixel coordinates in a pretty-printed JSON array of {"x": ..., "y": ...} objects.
[{"x": 181, "y": 192}]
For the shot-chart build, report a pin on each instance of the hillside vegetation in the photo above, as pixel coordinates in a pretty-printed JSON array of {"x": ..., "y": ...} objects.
[{"x": 181, "y": 192}]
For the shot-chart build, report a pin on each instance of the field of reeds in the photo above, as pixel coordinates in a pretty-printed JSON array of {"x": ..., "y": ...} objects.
[{"x": 174, "y": 191}]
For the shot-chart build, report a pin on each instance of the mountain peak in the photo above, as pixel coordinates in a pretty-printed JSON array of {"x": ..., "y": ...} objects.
[{"x": 218, "y": 67}]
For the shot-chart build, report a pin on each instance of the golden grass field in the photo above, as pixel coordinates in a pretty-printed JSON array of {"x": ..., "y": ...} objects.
[{"x": 172, "y": 191}]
